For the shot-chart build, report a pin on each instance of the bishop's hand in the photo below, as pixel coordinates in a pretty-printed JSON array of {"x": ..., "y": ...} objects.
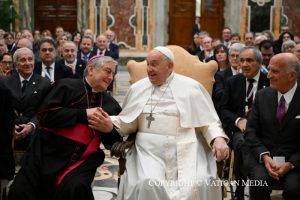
[{"x": 100, "y": 121}]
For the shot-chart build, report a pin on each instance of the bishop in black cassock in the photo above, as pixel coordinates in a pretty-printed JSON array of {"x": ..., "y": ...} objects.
[{"x": 63, "y": 158}]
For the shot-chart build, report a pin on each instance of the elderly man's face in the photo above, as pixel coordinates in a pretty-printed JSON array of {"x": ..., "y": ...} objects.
[
  {"x": 281, "y": 77},
  {"x": 101, "y": 42},
  {"x": 234, "y": 59},
  {"x": 158, "y": 68},
  {"x": 249, "y": 64},
  {"x": 25, "y": 63},
  {"x": 101, "y": 77}
]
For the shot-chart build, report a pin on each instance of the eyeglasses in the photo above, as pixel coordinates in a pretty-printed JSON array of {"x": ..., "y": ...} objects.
[
  {"x": 47, "y": 49},
  {"x": 289, "y": 46},
  {"x": 7, "y": 62},
  {"x": 234, "y": 55}
]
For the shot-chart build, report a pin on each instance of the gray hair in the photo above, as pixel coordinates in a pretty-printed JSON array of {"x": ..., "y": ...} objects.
[
  {"x": 287, "y": 44},
  {"x": 257, "y": 53},
  {"x": 236, "y": 47},
  {"x": 99, "y": 61},
  {"x": 19, "y": 51},
  {"x": 26, "y": 42}
]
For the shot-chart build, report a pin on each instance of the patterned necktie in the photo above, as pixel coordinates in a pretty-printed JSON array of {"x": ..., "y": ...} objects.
[
  {"x": 24, "y": 84},
  {"x": 281, "y": 109},
  {"x": 249, "y": 94},
  {"x": 48, "y": 73},
  {"x": 85, "y": 58}
]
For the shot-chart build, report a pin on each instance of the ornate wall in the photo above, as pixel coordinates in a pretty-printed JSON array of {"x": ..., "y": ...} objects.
[
  {"x": 131, "y": 20},
  {"x": 259, "y": 15},
  {"x": 290, "y": 15},
  {"x": 142, "y": 24}
]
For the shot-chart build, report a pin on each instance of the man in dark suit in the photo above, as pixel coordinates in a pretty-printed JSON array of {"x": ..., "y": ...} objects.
[
  {"x": 196, "y": 28},
  {"x": 49, "y": 67},
  {"x": 69, "y": 51},
  {"x": 7, "y": 164},
  {"x": 221, "y": 77},
  {"x": 28, "y": 90},
  {"x": 85, "y": 48},
  {"x": 273, "y": 131},
  {"x": 102, "y": 49},
  {"x": 112, "y": 47},
  {"x": 236, "y": 104}
]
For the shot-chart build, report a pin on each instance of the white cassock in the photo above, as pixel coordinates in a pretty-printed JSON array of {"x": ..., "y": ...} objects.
[{"x": 171, "y": 159}]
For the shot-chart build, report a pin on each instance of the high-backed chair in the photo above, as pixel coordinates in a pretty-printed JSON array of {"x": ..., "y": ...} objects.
[{"x": 185, "y": 64}]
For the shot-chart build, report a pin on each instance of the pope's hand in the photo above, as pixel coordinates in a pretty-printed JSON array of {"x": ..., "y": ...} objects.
[
  {"x": 100, "y": 121},
  {"x": 220, "y": 149}
]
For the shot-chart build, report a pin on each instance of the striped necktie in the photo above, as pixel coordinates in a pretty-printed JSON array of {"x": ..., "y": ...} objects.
[{"x": 48, "y": 73}]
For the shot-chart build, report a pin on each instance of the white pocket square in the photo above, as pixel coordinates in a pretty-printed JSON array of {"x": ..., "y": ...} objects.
[{"x": 297, "y": 117}]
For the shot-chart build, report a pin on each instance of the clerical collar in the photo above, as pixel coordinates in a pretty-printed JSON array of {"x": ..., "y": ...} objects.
[{"x": 88, "y": 87}]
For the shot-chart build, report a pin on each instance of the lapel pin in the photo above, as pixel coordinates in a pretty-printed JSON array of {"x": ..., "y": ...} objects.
[{"x": 35, "y": 92}]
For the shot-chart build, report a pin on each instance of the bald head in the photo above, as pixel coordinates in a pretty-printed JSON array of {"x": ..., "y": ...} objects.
[
  {"x": 283, "y": 71},
  {"x": 24, "y": 42}
]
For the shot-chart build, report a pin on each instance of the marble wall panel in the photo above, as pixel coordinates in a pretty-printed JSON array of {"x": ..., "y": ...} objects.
[
  {"x": 124, "y": 21},
  {"x": 291, "y": 9}
]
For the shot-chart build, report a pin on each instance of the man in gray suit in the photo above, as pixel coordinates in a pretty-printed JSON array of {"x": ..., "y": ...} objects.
[{"x": 273, "y": 131}]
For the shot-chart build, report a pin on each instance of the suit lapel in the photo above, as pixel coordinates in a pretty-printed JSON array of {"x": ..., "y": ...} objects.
[
  {"x": 271, "y": 104},
  {"x": 38, "y": 68},
  {"x": 262, "y": 81},
  {"x": 30, "y": 88},
  {"x": 16, "y": 84},
  {"x": 57, "y": 71},
  {"x": 242, "y": 88},
  {"x": 293, "y": 109}
]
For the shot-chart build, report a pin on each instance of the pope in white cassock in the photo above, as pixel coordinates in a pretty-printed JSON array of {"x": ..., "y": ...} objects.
[{"x": 179, "y": 136}]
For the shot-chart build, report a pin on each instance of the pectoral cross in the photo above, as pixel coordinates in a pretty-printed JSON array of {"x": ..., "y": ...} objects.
[{"x": 150, "y": 118}]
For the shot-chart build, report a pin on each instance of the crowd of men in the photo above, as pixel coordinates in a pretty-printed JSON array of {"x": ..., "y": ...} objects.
[
  {"x": 256, "y": 96},
  {"x": 244, "y": 69}
]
